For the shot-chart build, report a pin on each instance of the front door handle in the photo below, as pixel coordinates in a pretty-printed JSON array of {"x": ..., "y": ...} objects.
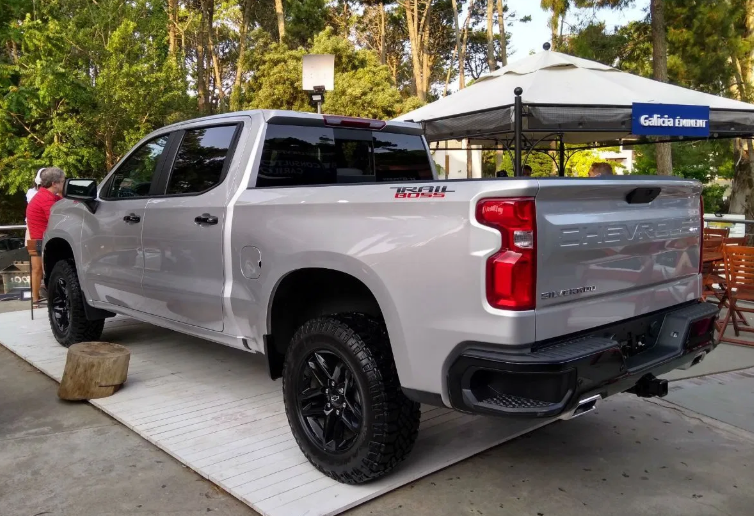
[
  {"x": 132, "y": 218},
  {"x": 206, "y": 218}
]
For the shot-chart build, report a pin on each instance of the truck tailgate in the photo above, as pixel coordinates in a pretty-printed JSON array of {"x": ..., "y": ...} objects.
[{"x": 601, "y": 258}]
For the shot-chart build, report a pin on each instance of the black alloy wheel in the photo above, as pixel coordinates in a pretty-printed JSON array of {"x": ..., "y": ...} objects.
[
  {"x": 60, "y": 303},
  {"x": 65, "y": 307},
  {"x": 343, "y": 398},
  {"x": 329, "y": 402}
]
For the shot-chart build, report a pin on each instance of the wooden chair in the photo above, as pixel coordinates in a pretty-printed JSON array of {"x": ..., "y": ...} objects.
[
  {"x": 734, "y": 240},
  {"x": 739, "y": 286},
  {"x": 719, "y": 232}
]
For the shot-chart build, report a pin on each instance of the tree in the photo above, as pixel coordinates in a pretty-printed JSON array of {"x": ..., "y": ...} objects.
[
  {"x": 558, "y": 9},
  {"x": 660, "y": 68},
  {"x": 280, "y": 14},
  {"x": 305, "y": 19},
  {"x": 491, "y": 59},
  {"x": 417, "y": 20},
  {"x": 501, "y": 28},
  {"x": 363, "y": 86}
]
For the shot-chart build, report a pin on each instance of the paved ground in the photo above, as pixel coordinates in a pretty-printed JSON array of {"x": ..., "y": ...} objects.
[
  {"x": 631, "y": 457},
  {"x": 60, "y": 458}
]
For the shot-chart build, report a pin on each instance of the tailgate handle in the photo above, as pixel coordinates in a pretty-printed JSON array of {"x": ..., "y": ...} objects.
[{"x": 642, "y": 195}]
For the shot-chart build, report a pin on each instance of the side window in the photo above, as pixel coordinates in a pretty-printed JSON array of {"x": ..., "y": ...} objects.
[
  {"x": 201, "y": 160},
  {"x": 294, "y": 155},
  {"x": 401, "y": 157},
  {"x": 134, "y": 176}
]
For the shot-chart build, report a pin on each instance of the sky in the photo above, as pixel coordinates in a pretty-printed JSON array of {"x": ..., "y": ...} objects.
[{"x": 525, "y": 37}]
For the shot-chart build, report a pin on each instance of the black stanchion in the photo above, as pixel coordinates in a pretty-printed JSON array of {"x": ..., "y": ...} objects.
[{"x": 518, "y": 127}]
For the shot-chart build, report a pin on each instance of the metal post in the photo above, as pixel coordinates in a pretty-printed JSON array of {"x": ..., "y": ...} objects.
[
  {"x": 447, "y": 160},
  {"x": 518, "y": 128},
  {"x": 319, "y": 107},
  {"x": 561, "y": 168}
]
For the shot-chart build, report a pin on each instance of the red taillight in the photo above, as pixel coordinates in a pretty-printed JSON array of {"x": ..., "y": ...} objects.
[
  {"x": 701, "y": 327},
  {"x": 701, "y": 233},
  {"x": 356, "y": 123},
  {"x": 512, "y": 271}
]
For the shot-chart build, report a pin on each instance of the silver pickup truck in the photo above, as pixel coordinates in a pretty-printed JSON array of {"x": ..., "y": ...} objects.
[{"x": 329, "y": 245}]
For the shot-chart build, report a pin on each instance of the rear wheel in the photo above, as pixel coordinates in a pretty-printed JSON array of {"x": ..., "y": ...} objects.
[
  {"x": 343, "y": 399},
  {"x": 65, "y": 307}
]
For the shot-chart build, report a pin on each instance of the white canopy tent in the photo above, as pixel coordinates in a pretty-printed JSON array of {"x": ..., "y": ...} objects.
[{"x": 565, "y": 99}]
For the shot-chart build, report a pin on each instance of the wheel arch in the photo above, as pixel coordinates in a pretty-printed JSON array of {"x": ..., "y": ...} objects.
[
  {"x": 56, "y": 249},
  {"x": 308, "y": 292}
]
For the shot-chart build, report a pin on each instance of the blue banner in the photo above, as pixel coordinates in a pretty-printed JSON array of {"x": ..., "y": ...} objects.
[{"x": 669, "y": 120}]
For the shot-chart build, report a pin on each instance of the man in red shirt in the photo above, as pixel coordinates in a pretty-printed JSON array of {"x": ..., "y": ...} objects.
[{"x": 37, "y": 218}]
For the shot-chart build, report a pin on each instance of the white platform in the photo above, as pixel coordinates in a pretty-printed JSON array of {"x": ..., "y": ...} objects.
[{"x": 215, "y": 409}]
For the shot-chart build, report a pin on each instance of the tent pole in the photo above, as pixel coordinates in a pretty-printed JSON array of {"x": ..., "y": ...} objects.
[
  {"x": 517, "y": 123},
  {"x": 561, "y": 168}
]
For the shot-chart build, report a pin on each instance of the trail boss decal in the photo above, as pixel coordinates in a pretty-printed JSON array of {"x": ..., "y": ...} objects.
[
  {"x": 568, "y": 292},
  {"x": 420, "y": 192}
]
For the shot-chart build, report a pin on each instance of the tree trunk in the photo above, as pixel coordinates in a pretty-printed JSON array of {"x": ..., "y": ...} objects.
[
  {"x": 426, "y": 56},
  {"x": 498, "y": 160},
  {"x": 201, "y": 79},
  {"x": 469, "y": 161},
  {"x": 281, "y": 19},
  {"x": 418, "y": 32},
  {"x": 383, "y": 52},
  {"x": 93, "y": 370},
  {"x": 235, "y": 95},
  {"x": 447, "y": 74},
  {"x": 660, "y": 72},
  {"x": 554, "y": 30},
  {"x": 491, "y": 61},
  {"x": 742, "y": 194},
  {"x": 503, "y": 37},
  {"x": 172, "y": 26},
  {"x": 109, "y": 152},
  {"x": 457, "y": 49},
  {"x": 462, "y": 48},
  {"x": 210, "y": 11}
]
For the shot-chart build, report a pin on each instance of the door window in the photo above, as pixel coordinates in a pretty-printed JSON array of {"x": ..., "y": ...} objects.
[
  {"x": 201, "y": 160},
  {"x": 133, "y": 178}
]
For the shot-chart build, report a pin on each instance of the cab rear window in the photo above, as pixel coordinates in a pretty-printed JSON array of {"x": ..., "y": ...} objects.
[{"x": 300, "y": 156}]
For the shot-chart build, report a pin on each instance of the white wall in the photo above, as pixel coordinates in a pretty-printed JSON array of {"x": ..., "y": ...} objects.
[{"x": 457, "y": 169}]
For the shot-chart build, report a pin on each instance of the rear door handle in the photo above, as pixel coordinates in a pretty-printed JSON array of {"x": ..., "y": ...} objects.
[
  {"x": 206, "y": 218},
  {"x": 132, "y": 218}
]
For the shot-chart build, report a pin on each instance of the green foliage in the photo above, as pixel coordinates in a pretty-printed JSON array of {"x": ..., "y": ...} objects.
[
  {"x": 85, "y": 83},
  {"x": 306, "y": 18},
  {"x": 580, "y": 162},
  {"x": 712, "y": 195},
  {"x": 363, "y": 87},
  {"x": 703, "y": 161}
]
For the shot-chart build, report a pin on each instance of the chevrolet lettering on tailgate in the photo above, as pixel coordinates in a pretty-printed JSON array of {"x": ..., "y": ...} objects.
[{"x": 623, "y": 233}]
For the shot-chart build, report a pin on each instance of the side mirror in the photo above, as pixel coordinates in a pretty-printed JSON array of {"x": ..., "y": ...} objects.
[{"x": 82, "y": 190}]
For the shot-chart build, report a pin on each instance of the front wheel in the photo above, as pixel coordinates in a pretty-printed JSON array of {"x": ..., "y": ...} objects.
[
  {"x": 343, "y": 399},
  {"x": 65, "y": 307}
]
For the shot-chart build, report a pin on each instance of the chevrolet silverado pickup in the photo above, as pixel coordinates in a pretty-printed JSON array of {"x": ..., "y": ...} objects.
[{"x": 329, "y": 245}]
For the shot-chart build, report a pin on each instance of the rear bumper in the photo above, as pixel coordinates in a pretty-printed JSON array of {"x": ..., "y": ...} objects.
[{"x": 551, "y": 380}]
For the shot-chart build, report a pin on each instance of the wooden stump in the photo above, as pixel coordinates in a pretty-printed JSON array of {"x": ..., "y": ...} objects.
[{"x": 94, "y": 370}]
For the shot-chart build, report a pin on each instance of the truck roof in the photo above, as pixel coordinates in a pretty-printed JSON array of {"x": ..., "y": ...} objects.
[{"x": 269, "y": 114}]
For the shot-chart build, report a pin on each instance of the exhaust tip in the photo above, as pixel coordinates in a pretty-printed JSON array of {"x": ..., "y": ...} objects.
[{"x": 584, "y": 407}]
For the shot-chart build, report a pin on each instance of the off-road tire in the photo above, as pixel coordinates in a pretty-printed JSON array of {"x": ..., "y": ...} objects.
[
  {"x": 80, "y": 329},
  {"x": 390, "y": 421}
]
